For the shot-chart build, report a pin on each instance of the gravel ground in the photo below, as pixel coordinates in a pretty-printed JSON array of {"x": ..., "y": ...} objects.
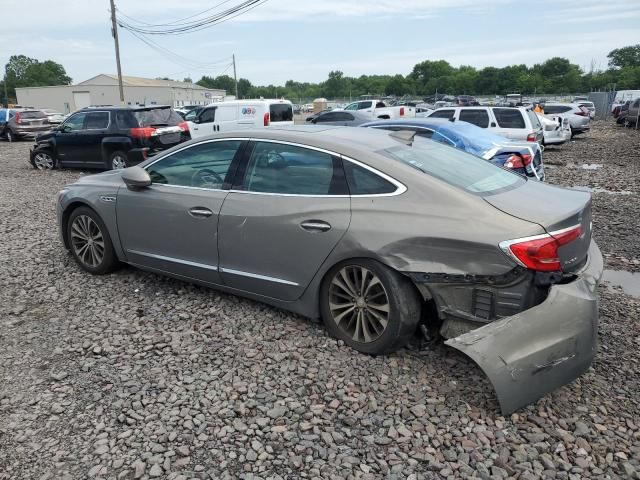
[{"x": 133, "y": 375}]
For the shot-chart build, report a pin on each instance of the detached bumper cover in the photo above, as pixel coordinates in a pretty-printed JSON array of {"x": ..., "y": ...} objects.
[{"x": 536, "y": 351}]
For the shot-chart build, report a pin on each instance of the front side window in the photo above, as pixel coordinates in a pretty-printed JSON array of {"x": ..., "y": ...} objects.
[
  {"x": 442, "y": 114},
  {"x": 509, "y": 117},
  {"x": 365, "y": 182},
  {"x": 454, "y": 167},
  {"x": 207, "y": 115},
  {"x": 327, "y": 117},
  {"x": 97, "y": 120},
  {"x": 352, "y": 106},
  {"x": 288, "y": 169},
  {"x": 204, "y": 165},
  {"x": 74, "y": 122},
  {"x": 364, "y": 105},
  {"x": 476, "y": 117}
]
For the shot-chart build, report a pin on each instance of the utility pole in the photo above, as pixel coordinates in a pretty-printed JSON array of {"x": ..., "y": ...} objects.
[
  {"x": 6, "y": 98},
  {"x": 114, "y": 32},
  {"x": 235, "y": 78}
]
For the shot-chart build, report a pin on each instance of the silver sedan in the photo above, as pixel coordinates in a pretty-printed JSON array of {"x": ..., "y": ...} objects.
[{"x": 382, "y": 234}]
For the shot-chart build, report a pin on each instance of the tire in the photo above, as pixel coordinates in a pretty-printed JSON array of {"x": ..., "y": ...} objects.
[
  {"x": 403, "y": 306},
  {"x": 44, "y": 160},
  {"x": 117, "y": 160},
  {"x": 85, "y": 223},
  {"x": 9, "y": 136}
]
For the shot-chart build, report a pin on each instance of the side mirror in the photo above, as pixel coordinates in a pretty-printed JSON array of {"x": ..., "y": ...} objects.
[
  {"x": 136, "y": 178},
  {"x": 196, "y": 120}
]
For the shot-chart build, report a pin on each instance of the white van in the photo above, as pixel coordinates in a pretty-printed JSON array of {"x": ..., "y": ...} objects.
[{"x": 237, "y": 114}]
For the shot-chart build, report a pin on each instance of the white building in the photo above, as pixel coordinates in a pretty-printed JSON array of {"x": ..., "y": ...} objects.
[{"x": 103, "y": 90}]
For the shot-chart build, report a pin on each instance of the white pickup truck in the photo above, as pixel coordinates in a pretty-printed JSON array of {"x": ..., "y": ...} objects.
[{"x": 377, "y": 109}]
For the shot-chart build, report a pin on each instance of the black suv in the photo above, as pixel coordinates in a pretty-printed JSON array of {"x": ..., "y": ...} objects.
[{"x": 109, "y": 137}]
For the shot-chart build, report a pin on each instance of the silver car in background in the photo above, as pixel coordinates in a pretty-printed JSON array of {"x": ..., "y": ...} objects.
[
  {"x": 377, "y": 233},
  {"x": 579, "y": 118}
]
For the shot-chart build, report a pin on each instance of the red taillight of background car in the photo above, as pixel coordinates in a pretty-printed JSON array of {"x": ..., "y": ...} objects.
[
  {"x": 518, "y": 160},
  {"x": 402, "y": 111},
  {"x": 142, "y": 132},
  {"x": 583, "y": 112},
  {"x": 18, "y": 118},
  {"x": 184, "y": 126},
  {"x": 266, "y": 119},
  {"x": 531, "y": 137},
  {"x": 540, "y": 253}
]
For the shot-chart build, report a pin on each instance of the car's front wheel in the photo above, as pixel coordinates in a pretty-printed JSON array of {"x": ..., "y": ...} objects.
[
  {"x": 118, "y": 160},
  {"x": 369, "y": 306},
  {"x": 90, "y": 242},
  {"x": 43, "y": 160}
]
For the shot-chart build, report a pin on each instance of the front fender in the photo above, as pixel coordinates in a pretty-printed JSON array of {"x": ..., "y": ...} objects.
[{"x": 530, "y": 354}]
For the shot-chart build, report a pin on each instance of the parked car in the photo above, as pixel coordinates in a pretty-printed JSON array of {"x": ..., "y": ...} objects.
[
  {"x": 341, "y": 117},
  {"x": 378, "y": 109},
  {"x": 109, "y": 138},
  {"x": 54, "y": 117},
  {"x": 579, "y": 118},
  {"x": 524, "y": 158},
  {"x": 19, "y": 124},
  {"x": 235, "y": 114},
  {"x": 589, "y": 106},
  {"x": 633, "y": 113},
  {"x": 557, "y": 130},
  {"x": 515, "y": 123},
  {"x": 368, "y": 232},
  {"x": 313, "y": 116}
]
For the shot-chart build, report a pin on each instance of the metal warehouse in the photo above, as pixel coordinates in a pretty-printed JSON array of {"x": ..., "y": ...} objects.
[{"x": 103, "y": 90}]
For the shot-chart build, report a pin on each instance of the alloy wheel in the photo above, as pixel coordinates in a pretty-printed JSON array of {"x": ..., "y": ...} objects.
[
  {"x": 118, "y": 162},
  {"x": 359, "y": 303},
  {"x": 87, "y": 241},
  {"x": 43, "y": 161}
]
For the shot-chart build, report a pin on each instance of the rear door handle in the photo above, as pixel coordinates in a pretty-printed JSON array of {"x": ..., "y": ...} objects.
[
  {"x": 200, "y": 212},
  {"x": 315, "y": 226}
]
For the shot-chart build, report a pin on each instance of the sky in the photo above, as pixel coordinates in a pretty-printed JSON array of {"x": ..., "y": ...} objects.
[{"x": 303, "y": 40}]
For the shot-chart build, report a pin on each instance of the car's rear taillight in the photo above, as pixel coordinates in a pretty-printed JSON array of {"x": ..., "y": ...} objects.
[
  {"x": 518, "y": 160},
  {"x": 402, "y": 111},
  {"x": 18, "y": 118},
  {"x": 184, "y": 126},
  {"x": 540, "y": 253},
  {"x": 531, "y": 137},
  {"x": 266, "y": 119},
  {"x": 142, "y": 132}
]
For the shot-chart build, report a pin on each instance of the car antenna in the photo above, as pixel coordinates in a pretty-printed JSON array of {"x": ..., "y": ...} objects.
[{"x": 404, "y": 136}]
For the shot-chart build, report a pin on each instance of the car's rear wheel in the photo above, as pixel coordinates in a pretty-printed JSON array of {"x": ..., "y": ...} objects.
[
  {"x": 90, "y": 242},
  {"x": 369, "y": 306},
  {"x": 118, "y": 160},
  {"x": 9, "y": 136},
  {"x": 43, "y": 160}
]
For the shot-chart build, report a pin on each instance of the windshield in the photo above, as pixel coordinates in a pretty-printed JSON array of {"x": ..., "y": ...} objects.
[
  {"x": 157, "y": 117},
  {"x": 454, "y": 167}
]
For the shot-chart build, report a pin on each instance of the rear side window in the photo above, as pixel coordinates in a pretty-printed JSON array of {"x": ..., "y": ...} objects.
[
  {"x": 97, "y": 120},
  {"x": 157, "y": 117},
  {"x": 365, "y": 182},
  {"x": 364, "y": 105},
  {"x": 327, "y": 117},
  {"x": 442, "y": 114},
  {"x": 509, "y": 118},
  {"x": 477, "y": 117},
  {"x": 125, "y": 119},
  {"x": 280, "y": 112},
  {"x": 556, "y": 109},
  {"x": 454, "y": 167},
  {"x": 33, "y": 114},
  {"x": 287, "y": 169}
]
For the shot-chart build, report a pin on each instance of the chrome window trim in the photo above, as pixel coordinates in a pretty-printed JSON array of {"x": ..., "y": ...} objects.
[
  {"x": 174, "y": 260},
  {"x": 258, "y": 277}
]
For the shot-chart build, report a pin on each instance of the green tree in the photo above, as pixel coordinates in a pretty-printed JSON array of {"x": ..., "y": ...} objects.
[
  {"x": 23, "y": 71},
  {"x": 625, "y": 57},
  {"x": 187, "y": 80}
]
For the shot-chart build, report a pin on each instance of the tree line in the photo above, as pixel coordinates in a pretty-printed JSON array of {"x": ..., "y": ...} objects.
[{"x": 554, "y": 76}]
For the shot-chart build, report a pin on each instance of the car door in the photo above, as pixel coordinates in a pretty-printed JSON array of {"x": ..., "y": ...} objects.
[
  {"x": 89, "y": 138},
  {"x": 172, "y": 225},
  {"x": 286, "y": 213},
  {"x": 68, "y": 149},
  {"x": 205, "y": 123}
]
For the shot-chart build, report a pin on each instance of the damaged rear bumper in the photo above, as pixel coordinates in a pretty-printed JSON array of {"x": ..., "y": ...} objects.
[{"x": 538, "y": 350}]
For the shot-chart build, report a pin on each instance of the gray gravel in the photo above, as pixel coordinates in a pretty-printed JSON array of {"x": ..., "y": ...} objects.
[{"x": 133, "y": 375}]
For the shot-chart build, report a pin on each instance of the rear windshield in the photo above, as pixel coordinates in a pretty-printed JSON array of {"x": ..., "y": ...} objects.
[
  {"x": 280, "y": 112},
  {"x": 454, "y": 167},
  {"x": 586, "y": 104},
  {"x": 157, "y": 117},
  {"x": 33, "y": 114}
]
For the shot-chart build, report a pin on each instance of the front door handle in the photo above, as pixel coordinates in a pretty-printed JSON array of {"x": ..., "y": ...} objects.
[
  {"x": 200, "y": 212},
  {"x": 315, "y": 226}
]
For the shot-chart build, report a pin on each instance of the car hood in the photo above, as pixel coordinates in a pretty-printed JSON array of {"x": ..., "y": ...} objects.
[{"x": 108, "y": 178}]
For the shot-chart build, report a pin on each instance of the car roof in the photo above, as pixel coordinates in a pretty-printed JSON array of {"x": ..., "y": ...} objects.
[{"x": 134, "y": 108}]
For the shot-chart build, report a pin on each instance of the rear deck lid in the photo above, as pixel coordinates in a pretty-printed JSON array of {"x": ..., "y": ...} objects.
[{"x": 554, "y": 209}]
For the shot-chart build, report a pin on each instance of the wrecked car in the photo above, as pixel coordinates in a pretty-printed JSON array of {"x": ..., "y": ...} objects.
[{"x": 378, "y": 233}]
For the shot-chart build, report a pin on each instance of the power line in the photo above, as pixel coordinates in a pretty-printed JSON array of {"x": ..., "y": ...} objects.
[{"x": 176, "y": 22}]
